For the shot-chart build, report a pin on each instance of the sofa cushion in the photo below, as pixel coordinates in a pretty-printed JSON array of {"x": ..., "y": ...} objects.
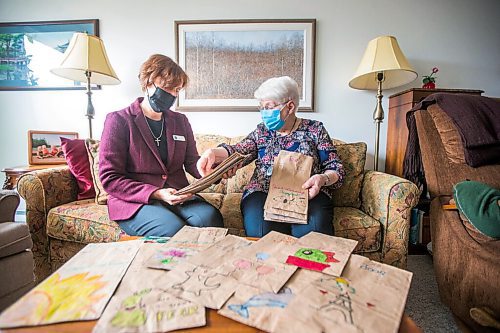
[
  {"x": 77, "y": 159},
  {"x": 233, "y": 219},
  {"x": 354, "y": 224},
  {"x": 353, "y": 157},
  {"x": 101, "y": 197},
  {"x": 204, "y": 142},
  {"x": 83, "y": 222}
]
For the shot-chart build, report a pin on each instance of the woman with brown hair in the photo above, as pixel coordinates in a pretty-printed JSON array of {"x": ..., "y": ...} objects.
[{"x": 144, "y": 150}]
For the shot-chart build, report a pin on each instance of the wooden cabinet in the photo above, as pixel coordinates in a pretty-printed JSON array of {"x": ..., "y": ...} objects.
[{"x": 397, "y": 132}]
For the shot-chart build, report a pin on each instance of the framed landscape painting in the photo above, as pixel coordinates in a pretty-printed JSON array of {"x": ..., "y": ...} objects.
[
  {"x": 44, "y": 147},
  {"x": 28, "y": 50},
  {"x": 227, "y": 60}
]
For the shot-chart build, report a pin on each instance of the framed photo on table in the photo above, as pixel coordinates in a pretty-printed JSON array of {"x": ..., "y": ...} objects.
[
  {"x": 29, "y": 50},
  {"x": 227, "y": 60},
  {"x": 44, "y": 147}
]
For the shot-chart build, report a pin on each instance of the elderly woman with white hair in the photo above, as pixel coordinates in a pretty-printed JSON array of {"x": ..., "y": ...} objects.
[{"x": 281, "y": 129}]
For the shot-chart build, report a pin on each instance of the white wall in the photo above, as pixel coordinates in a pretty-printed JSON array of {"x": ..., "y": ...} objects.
[{"x": 460, "y": 37}]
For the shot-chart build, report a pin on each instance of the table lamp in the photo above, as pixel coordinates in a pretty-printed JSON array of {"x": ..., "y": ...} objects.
[
  {"x": 383, "y": 64},
  {"x": 85, "y": 60}
]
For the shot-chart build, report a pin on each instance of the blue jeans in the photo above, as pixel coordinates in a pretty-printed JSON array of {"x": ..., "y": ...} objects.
[
  {"x": 319, "y": 218},
  {"x": 162, "y": 219}
]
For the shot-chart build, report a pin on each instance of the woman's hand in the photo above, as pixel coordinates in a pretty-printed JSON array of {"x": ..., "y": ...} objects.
[
  {"x": 314, "y": 184},
  {"x": 232, "y": 172},
  {"x": 209, "y": 158},
  {"x": 206, "y": 161},
  {"x": 168, "y": 195}
]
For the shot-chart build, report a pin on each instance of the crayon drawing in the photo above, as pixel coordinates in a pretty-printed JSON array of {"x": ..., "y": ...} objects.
[
  {"x": 149, "y": 310},
  {"x": 79, "y": 290}
]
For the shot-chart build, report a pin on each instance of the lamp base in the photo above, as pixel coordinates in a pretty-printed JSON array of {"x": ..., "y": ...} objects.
[{"x": 378, "y": 117}]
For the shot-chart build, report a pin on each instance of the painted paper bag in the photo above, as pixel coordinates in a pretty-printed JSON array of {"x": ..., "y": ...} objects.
[
  {"x": 185, "y": 243},
  {"x": 323, "y": 253},
  {"x": 286, "y": 200}
]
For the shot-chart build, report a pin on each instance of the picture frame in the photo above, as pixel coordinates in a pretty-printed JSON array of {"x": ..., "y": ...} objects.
[
  {"x": 28, "y": 50},
  {"x": 44, "y": 147},
  {"x": 227, "y": 60}
]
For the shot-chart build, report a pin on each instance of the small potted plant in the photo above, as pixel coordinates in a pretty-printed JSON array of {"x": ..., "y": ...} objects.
[{"x": 429, "y": 81}]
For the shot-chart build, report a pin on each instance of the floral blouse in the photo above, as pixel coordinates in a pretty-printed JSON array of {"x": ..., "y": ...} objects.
[{"x": 310, "y": 138}]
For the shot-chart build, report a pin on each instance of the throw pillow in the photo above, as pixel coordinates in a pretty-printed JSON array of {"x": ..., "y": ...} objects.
[
  {"x": 448, "y": 133},
  {"x": 92, "y": 146},
  {"x": 480, "y": 203},
  {"x": 79, "y": 166},
  {"x": 353, "y": 157}
]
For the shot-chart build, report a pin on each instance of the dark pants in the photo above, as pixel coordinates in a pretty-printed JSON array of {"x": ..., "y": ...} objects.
[
  {"x": 319, "y": 218},
  {"x": 162, "y": 219}
]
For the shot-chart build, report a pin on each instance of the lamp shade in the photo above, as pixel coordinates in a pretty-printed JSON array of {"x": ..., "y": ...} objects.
[
  {"x": 383, "y": 55},
  {"x": 86, "y": 53}
]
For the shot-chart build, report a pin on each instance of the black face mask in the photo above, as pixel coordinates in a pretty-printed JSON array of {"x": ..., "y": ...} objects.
[{"x": 161, "y": 100}]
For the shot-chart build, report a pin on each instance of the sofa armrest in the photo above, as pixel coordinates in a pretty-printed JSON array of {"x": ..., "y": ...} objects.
[
  {"x": 43, "y": 190},
  {"x": 9, "y": 200},
  {"x": 389, "y": 199}
]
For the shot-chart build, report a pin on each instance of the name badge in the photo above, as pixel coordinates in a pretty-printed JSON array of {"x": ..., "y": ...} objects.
[{"x": 179, "y": 138}]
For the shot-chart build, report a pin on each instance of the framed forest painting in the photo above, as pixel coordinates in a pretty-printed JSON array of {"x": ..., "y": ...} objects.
[{"x": 227, "y": 60}]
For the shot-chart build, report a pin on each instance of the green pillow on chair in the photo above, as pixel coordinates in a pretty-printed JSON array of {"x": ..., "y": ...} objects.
[{"x": 480, "y": 203}]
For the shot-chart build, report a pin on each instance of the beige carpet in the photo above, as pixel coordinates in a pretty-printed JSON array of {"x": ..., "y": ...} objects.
[{"x": 423, "y": 304}]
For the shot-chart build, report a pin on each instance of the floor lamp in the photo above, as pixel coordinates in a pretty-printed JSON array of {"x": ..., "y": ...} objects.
[
  {"x": 85, "y": 60},
  {"x": 383, "y": 65}
]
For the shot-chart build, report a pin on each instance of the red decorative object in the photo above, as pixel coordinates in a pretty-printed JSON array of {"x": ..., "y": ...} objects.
[{"x": 429, "y": 82}]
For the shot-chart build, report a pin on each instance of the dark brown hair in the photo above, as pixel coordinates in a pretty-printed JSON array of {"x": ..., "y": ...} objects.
[{"x": 162, "y": 67}]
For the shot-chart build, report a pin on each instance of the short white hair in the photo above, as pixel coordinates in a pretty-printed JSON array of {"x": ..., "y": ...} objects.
[{"x": 279, "y": 89}]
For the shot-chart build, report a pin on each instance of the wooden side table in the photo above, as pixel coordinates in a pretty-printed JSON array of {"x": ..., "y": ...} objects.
[{"x": 13, "y": 174}]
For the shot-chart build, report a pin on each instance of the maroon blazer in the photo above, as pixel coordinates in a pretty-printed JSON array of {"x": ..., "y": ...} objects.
[{"x": 130, "y": 166}]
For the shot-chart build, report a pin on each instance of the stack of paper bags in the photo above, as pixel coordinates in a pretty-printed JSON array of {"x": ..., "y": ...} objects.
[
  {"x": 217, "y": 173},
  {"x": 287, "y": 201}
]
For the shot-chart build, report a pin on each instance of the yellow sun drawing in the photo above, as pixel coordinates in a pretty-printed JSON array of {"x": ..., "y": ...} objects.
[{"x": 57, "y": 299}]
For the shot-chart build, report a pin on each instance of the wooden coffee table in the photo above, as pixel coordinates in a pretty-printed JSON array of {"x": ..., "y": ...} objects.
[{"x": 215, "y": 324}]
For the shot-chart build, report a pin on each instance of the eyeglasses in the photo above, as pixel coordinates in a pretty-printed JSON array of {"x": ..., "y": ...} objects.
[{"x": 272, "y": 106}]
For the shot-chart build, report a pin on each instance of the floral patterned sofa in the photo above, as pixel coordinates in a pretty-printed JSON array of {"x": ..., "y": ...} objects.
[{"x": 371, "y": 207}]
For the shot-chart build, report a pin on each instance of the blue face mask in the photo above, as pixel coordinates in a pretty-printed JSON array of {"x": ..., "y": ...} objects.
[{"x": 272, "y": 119}]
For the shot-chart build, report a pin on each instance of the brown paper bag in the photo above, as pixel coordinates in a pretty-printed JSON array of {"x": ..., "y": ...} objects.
[
  {"x": 323, "y": 253},
  {"x": 286, "y": 200},
  {"x": 369, "y": 297}
]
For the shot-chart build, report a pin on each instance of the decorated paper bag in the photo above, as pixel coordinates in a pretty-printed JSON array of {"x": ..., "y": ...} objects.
[
  {"x": 320, "y": 252},
  {"x": 149, "y": 310},
  {"x": 219, "y": 253},
  {"x": 79, "y": 290},
  {"x": 262, "y": 309},
  {"x": 286, "y": 200},
  {"x": 369, "y": 297},
  {"x": 200, "y": 285},
  {"x": 141, "y": 303},
  {"x": 261, "y": 265},
  {"x": 185, "y": 243}
]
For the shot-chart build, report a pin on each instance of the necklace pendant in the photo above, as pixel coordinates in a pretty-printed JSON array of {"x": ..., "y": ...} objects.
[{"x": 157, "y": 142}]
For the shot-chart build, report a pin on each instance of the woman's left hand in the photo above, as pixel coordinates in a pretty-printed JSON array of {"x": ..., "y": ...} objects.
[{"x": 314, "y": 184}]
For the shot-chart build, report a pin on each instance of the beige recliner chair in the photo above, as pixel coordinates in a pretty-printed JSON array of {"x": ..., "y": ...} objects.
[{"x": 16, "y": 258}]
